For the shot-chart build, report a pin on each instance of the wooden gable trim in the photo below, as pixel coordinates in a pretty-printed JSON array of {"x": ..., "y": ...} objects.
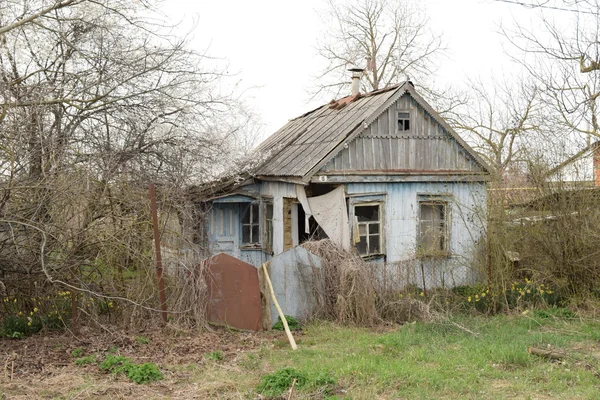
[{"x": 421, "y": 101}]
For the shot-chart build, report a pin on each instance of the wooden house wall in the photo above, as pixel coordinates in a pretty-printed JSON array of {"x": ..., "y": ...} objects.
[
  {"x": 427, "y": 146},
  {"x": 225, "y": 224},
  {"x": 467, "y": 229}
]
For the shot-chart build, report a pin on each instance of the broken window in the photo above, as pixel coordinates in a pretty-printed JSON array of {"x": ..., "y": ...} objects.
[
  {"x": 250, "y": 225},
  {"x": 433, "y": 237},
  {"x": 403, "y": 121},
  {"x": 368, "y": 220},
  {"x": 268, "y": 225}
]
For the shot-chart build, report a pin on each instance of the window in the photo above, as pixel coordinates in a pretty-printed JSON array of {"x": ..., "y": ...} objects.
[
  {"x": 250, "y": 225},
  {"x": 433, "y": 228},
  {"x": 369, "y": 223},
  {"x": 403, "y": 121},
  {"x": 268, "y": 225}
]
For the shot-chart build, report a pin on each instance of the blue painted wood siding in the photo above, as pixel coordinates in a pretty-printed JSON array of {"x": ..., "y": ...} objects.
[{"x": 467, "y": 224}]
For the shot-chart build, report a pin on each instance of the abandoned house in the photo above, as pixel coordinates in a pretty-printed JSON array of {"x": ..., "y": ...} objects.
[{"x": 380, "y": 172}]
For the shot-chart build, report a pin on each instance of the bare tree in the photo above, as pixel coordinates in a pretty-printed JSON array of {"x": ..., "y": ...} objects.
[
  {"x": 563, "y": 57},
  {"x": 98, "y": 100},
  {"x": 502, "y": 120},
  {"x": 391, "y": 38}
]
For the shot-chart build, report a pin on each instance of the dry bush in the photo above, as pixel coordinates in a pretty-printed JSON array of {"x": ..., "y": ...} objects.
[
  {"x": 348, "y": 295},
  {"x": 549, "y": 236},
  {"x": 352, "y": 291},
  {"x": 398, "y": 309}
]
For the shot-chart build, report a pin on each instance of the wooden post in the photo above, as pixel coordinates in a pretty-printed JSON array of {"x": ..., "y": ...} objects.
[
  {"x": 159, "y": 269},
  {"x": 283, "y": 320}
]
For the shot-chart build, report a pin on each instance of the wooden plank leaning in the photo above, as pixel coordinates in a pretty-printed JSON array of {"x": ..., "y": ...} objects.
[{"x": 283, "y": 320}]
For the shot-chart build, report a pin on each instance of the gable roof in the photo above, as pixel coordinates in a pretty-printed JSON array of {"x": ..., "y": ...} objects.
[
  {"x": 585, "y": 152},
  {"x": 302, "y": 146}
]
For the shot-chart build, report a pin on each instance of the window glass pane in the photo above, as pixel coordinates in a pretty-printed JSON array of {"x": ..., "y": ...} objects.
[
  {"x": 362, "y": 245},
  {"x": 374, "y": 244},
  {"x": 367, "y": 213},
  {"x": 269, "y": 211},
  {"x": 255, "y": 213},
  {"x": 254, "y": 233},
  {"x": 373, "y": 228},
  {"x": 432, "y": 227},
  {"x": 246, "y": 214},
  {"x": 437, "y": 211},
  {"x": 426, "y": 212},
  {"x": 245, "y": 233},
  {"x": 362, "y": 229}
]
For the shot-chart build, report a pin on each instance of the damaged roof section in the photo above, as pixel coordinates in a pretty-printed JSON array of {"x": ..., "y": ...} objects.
[{"x": 305, "y": 141}]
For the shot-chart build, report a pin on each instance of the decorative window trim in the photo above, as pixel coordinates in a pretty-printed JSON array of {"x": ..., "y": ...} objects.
[{"x": 443, "y": 203}]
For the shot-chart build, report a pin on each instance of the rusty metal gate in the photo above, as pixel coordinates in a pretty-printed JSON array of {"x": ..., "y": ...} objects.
[{"x": 233, "y": 293}]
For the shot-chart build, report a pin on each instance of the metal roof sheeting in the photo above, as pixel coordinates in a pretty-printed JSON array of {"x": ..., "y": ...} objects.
[
  {"x": 308, "y": 142},
  {"x": 305, "y": 141}
]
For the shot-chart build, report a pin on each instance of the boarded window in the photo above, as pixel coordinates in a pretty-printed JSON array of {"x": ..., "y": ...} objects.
[
  {"x": 250, "y": 225},
  {"x": 369, "y": 221},
  {"x": 433, "y": 228},
  {"x": 403, "y": 121},
  {"x": 268, "y": 225}
]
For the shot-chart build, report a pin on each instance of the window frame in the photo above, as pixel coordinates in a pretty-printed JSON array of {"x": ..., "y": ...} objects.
[
  {"x": 252, "y": 243},
  {"x": 409, "y": 119},
  {"x": 434, "y": 200},
  {"x": 381, "y": 222},
  {"x": 267, "y": 225}
]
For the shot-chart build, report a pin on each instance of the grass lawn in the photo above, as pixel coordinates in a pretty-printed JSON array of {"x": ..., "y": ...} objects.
[
  {"x": 443, "y": 360},
  {"x": 465, "y": 357}
]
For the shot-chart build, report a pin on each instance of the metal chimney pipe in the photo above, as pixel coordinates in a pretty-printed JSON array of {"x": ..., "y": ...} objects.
[{"x": 356, "y": 75}]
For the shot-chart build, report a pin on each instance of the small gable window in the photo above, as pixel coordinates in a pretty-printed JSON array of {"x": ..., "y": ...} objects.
[
  {"x": 250, "y": 225},
  {"x": 403, "y": 121}
]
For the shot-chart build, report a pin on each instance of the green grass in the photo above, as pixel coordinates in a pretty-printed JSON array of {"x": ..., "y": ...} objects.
[{"x": 441, "y": 360}]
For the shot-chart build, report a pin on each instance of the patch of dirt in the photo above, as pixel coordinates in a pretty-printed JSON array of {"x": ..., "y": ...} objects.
[{"x": 43, "y": 366}]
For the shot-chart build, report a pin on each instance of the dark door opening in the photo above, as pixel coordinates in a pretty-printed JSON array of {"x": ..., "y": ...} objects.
[{"x": 315, "y": 231}]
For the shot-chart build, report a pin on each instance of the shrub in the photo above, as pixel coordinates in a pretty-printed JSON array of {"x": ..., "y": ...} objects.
[
  {"x": 215, "y": 356},
  {"x": 78, "y": 352},
  {"x": 86, "y": 360},
  {"x": 142, "y": 340},
  {"x": 555, "y": 312},
  {"x": 17, "y": 327},
  {"x": 142, "y": 373},
  {"x": 278, "y": 382},
  {"x": 291, "y": 321}
]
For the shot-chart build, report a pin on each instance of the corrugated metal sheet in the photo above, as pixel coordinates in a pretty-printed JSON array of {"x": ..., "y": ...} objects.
[{"x": 303, "y": 142}]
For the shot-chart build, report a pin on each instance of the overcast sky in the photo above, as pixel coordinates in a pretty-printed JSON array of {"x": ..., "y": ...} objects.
[{"x": 270, "y": 44}]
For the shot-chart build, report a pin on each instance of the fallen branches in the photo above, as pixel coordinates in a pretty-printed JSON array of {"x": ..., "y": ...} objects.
[{"x": 552, "y": 355}]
